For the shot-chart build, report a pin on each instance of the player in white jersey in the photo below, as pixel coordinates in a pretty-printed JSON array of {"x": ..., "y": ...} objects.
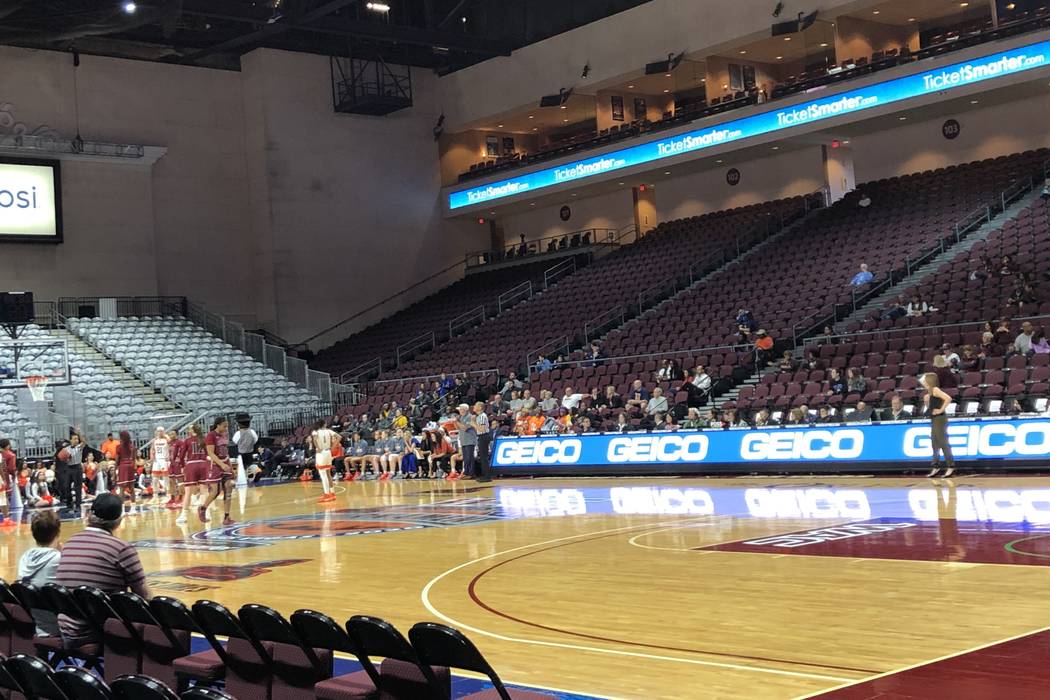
[
  {"x": 324, "y": 442},
  {"x": 160, "y": 456}
]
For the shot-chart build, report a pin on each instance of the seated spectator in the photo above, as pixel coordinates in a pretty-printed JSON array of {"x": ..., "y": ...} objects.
[
  {"x": 594, "y": 355},
  {"x": 585, "y": 426},
  {"x": 1023, "y": 341},
  {"x": 1007, "y": 267},
  {"x": 535, "y": 422},
  {"x": 969, "y": 362},
  {"x": 358, "y": 456},
  {"x": 96, "y": 557},
  {"x": 836, "y": 384},
  {"x": 516, "y": 403},
  {"x": 656, "y": 404},
  {"x": 945, "y": 376},
  {"x": 951, "y": 357},
  {"x": 787, "y": 362},
  {"x": 762, "y": 419},
  {"x": 669, "y": 372},
  {"x": 1003, "y": 335},
  {"x": 698, "y": 387},
  {"x": 543, "y": 365},
  {"x": 863, "y": 277},
  {"x": 511, "y": 385},
  {"x": 745, "y": 325},
  {"x": 895, "y": 411},
  {"x": 498, "y": 406},
  {"x": 622, "y": 424},
  {"x": 439, "y": 463},
  {"x": 898, "y": 308},
  {"x": 862, "y": 414},
  {"x": 827, "y": 337},
  {"x": 1022, "y": 295},
  {"x": 982, "y": 270},
  {"x": 570, "y": 400},
  {"x": 731, "y": 419},
  {"x": 521, "y": 423},
  {"x": 812, "y": 363},
  {"x": 855, "y": 381},
  {"x": 988, "y": 347},
  {"x": 547, "y": 401},
  {"x": 528, "y": 402},
  {"x": 795, "y": 417},
  {"x": 824, "y": 416},
  {"x": 763, "y": 348},
  {"x": 637, "y": 397},
  {"x": 917, "y": 307},
  {"x": 39, "y": 494},
  {"x": 661, "y": 421},
  {"x": 692, "y": 420},
  {"x": 1040, "y": 346},
  {"x": 38, "y": 565},
  {"x": 611, "y": 399}
]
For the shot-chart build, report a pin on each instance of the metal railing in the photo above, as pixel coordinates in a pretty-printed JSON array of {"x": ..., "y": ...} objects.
[
  {"x": 906, "y": 331},
  {"x": 610, "y": 318},
  {"x": 561, "y": 345},
  {"x": 363, "y": 372},
  {"x": 115, "y": 307},
  {"x": 412, "y": 347},
  {"x": 469, "y": 319},
  {"x": 542, "y": 246},
  {"x": 512, "y": 296},
  {"x": 556, "y": 272},
  {"x": 54, "y": 144}
]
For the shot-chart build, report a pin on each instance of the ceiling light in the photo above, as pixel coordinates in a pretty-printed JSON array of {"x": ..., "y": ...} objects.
[
  {"x": 787, "y": 38},
  {"x": 630, "y": 87},
  {"x": 378, "y": 7},
  {"x": 499, "y": 126},
  {"x": 776, "y": 148},
  {"x": 535, "y": 128},
  {"x": 620, "y": 183},
  {"x": 532, "y": 204},
  {"x": 973, "y": 102},
  {"x": 742, "y": 52},
  {"x": 902, "y": 118},
  {"x": 564, "y": 107},
  {"x": 667, "y": 172},
  {"x": 964, "y": 4},
  {"x": 780, "y": 58},
  {"x": 130, "y": 7},
  {"x": 565, "y": 120},
  {"x": 824, "y": 45},
  {"x": 532, "y": 116},
  {"x": 573, "y": 194},
  {"x": 668, "y": 75},
  {"x": 667, "y": 91},
  {"x": 846, "y": 142},
  {"x": 911, "y": 19},
  {"x": 719, "y": 160},
  {"x": 874, "y": 12},
  {"x": 463, "y": 20},
  {"x": 1011, "y": 6}
]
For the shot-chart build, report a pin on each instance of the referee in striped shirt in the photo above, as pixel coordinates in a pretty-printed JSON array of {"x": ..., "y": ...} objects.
[{"x": 96, "y": 557}]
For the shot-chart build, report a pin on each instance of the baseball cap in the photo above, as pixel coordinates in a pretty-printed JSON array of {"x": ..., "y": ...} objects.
[{"x": 106, "y": 506}]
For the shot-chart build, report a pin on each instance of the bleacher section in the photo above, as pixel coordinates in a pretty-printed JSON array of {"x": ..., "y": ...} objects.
[
  {"x": 190, "y": 365},
  {"x": 432, "y": 314}
]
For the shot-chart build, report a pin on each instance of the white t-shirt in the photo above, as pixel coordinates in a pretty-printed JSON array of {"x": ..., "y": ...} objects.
[{"x": 324, "y": 439}]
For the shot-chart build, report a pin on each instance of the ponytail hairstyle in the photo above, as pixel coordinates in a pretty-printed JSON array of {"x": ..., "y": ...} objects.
[
  {"x": 125, "y": 439},
  {"x": 218, "y": 421},
  {"x": 194, "y": 433},
  {"x": 930, "y": 380}
]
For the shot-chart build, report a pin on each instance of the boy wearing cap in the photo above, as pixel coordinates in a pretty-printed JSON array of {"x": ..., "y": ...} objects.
[{"x": 96, "y": 557}]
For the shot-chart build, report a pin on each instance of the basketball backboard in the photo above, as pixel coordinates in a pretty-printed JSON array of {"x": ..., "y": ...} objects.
[{"x": 29, "y": 357}]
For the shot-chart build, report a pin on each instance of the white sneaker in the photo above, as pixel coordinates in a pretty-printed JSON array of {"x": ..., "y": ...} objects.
[
  {"x": 181, "y": 520},
  {"x": 134, "y": 510}
]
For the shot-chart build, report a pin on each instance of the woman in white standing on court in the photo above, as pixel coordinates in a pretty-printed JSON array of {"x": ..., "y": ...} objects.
[
  {"x": 324, "y": 441},
  {"x": 160, "y": 456}
]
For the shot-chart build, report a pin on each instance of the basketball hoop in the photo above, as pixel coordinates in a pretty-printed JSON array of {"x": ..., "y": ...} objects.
[{"x": 37, "y": 386}]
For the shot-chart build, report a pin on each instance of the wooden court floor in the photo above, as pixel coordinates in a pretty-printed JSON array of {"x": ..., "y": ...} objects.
[{"x": 638, "y": 587}]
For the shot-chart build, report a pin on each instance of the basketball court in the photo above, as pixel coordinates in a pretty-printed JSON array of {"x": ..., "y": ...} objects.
[{"x": 654, "y": 587}]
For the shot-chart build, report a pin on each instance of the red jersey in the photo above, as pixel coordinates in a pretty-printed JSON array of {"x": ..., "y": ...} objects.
[
  {"x": 10, "y": 463},
  {"x": 125, "y": 453},
  {"x": 193, "y": 451},
  {"x": 220, "y": 444},
  {"x": 177, "y": 447}
]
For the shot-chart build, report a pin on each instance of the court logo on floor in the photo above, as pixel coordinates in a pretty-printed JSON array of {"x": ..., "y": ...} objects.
[
  {"x": 364, "y": 521},
  {"x": 226, "y": 573}
]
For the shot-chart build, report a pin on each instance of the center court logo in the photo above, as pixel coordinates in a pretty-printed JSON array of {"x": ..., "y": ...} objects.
[{"x": 1022, "y": 439}]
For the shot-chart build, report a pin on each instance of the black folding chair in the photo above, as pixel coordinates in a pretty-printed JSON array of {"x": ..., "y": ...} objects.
[
  {"x": 36, "y": 678},
  {"x": 403, "y": 673},
  {"x": 82, "y": 685},
  {"x": 161, "y": 645},
  {"x": 319, "y": 630},
  {"x": 19, "y": 627},
  {"x": 297, "y": 666},
  {"x": 8, "y": 683},
  {"x": 203, "y": 667},
  {"x": 135, "y": 687},
  {"x": 60, "y": 601},
  {"x": 441, "y": 645},
  {"x": 201, "y": 693},
  {"x": 248, "y": 661},
  {"x": 121, "y": 640}
]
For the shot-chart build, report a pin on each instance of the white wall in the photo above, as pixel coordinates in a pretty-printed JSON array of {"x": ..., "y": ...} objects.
[
  {"x": 763, "y": 179},
  {"x": 617, "y": 46},
  {"x": 987, "y": 132},
  {"x": 613, "y": 210}
]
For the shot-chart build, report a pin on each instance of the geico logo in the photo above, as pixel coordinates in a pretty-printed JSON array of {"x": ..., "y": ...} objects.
[
  {"x": 1021, "y": 439},
  {"x": 643, "y": 500},
  {"x": 658, "y": 448},
  {"x": 543, "y": 502},
  {"x": 539, "y": 452},
  {"x": 996, "y": 505},
  {"x": 19, "y": 199},
  {"x": 807, "y": 503},
  {"x": 808, "y": 444}
]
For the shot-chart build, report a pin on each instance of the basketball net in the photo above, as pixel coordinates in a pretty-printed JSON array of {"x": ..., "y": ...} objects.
[{"x": 37, "y": 386}]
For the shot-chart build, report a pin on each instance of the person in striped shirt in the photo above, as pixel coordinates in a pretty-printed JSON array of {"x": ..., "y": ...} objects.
[{"x": 96, "y": 557}]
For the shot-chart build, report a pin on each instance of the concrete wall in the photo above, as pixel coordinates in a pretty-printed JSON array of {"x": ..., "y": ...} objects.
[{"x": 613, "y": 210}]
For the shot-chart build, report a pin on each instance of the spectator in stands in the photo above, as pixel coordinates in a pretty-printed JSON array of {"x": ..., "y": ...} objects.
[
  {"x": 570, "y": 400},
  {"x": 1003, "y": 335},
  {"x": 745, "y": 325},
  {"x": 1023, "y": 294},
  {"x": 969, "y": 362},
  {"x": 732, "y": 419},
  {"x": 109, "y": 446},
  {"x": 1040, "y": 346},
  {"x": 1023, "y": 341},
  {"x": 698, "y": 387},
  {"x": 611, "y": 399},
  {"x": 1007, "y": 267},
  {"x": 917, "y": 307},
  {"x": 863, "y": 277},
  {"x": 787, "y": 362},
  {"x": 534, "y": 422},
  {"x": 511, "y": 385},
  {"x": 827, "y": 337},
  {"x": 594, "y": 354},
  {"x": 662, "y": 421},
  {"x": 763, "y": 348},
  {"x": 895, "y": 411},
  {"x": 951, "y": 357},
  {"x": 39, "y": 564},
  {"x": 547, "y": 401},
  {"x": 824, "y": 416},
  {"x": 440, "y": 461},
  {"x": 855, "y": 381},
  {"x": 795, "y": 417},
  {"x": 669, "y": 372},
  {"x": 528, "y": 401},
  {"x": 805, "y": 412},
  {"x": 988, "y": 347},
  {"x": 762, "y": 419},
  {"x": 585, "y": 426},
  {"x": 692, "y": 420},
  {"x": 400, "y": 420},
  {"x": 813, "y": 363},
  {"x": 836, "y": 384},
  {"x": 516, "y": 403},
  {"x": 898, "y": 308},
  {"x": 446, "y": 384},
  {"x": 862, "y": 414},
  {"x": 622, "y": 424},
  {"x": 657, "y": 404},
  {"x": 637, "y": 397},
  {"x": 38, "y": 494},
  {"x": 543, "y": 364},
  {"x": 982, "y": 270},
  {"x": 945, "y": 376},
  {"x": 96, "y": 557}
]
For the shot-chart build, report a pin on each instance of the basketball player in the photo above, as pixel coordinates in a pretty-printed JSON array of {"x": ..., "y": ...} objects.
[
  {"x": 7, "y": 473},
  {"x": 195, "y": 471},
  {"x": 324, "y": 441},
  {"x": 175, "y": 471},
  {"x": 160, "y": 456},
  {"x": 221, "y": 476},
  {"x": 936, "y": 403},
  {"x": 126, "y": 471},
  {"x": 245, "y": 439}
]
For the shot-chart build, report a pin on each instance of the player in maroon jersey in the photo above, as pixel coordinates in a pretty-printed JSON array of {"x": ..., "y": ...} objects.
[
  {"x": 196, "y": 468},
  {"x": 175, "y": 470},
  {"x": 221, "y": 476}
]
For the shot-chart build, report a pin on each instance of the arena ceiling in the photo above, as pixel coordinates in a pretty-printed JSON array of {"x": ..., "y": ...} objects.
[{"x": 441, "y": 34}]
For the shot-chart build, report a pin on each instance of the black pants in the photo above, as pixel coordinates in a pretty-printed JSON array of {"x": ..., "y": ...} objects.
[
  {"x": 482, "y": 466},
  {"x": 76, "y": 481},
  {"x": 939, "y": 439},
  {"x": 468, "y": 459},
  {"x": 62, "y": 477}
]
